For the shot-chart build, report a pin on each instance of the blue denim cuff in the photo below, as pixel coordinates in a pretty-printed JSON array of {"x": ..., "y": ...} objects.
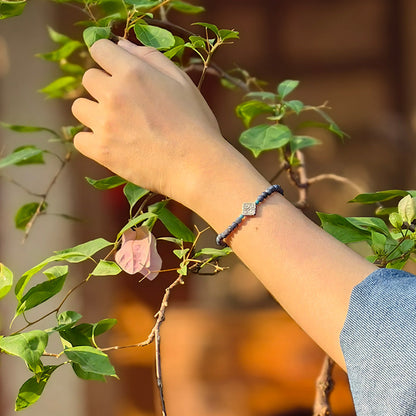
[{"x": 378, "y": 341}]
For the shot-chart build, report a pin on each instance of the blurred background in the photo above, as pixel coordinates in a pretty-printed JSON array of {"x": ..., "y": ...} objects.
[{"x": 227, "y": 347}]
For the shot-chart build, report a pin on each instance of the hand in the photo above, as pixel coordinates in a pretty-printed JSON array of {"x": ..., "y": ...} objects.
[{"x": 149, "y": 123}]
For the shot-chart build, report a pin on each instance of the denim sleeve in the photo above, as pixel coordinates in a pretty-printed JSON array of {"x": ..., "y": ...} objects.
[{"x": 379, "y": 344}]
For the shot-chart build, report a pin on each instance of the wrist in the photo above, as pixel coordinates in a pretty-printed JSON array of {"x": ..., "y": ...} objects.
[{"x": 225, "y": 180}]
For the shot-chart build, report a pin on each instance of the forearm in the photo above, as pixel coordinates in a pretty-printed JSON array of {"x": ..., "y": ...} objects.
[{"x": 310, "y": 273}]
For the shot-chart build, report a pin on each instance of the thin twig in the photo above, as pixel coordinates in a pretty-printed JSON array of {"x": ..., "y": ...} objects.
[
  {"x": 154, "y": 335},
  {"x": 38, "y": 211},
  {"x": 324, "y": 387},
  {"x": 337, "y": 178},
  {"x": 282, "y": 168},
  {"x": 21, "y": 186}
]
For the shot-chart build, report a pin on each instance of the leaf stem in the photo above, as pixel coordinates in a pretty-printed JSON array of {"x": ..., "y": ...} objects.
[{"x": 38, "y": 211}]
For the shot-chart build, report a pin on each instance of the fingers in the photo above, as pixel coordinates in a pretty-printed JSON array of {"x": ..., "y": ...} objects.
[
  {"x": 84, "y": 143},
  {"x": 85, "y": 111},
  {"x": 94, "y": 81},
  {"x": 154, "y": 58},
  {"x": 110, "y": 56}
]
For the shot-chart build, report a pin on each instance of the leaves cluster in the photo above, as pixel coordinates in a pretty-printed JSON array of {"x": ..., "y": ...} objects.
[
  {"x": 393, "y": 241},
  {"x": 276, "y": 107},
  {"x": 78, "y": 339}
]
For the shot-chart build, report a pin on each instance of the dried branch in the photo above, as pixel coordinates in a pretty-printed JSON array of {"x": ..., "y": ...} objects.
[{"x": 324, "y": 387}]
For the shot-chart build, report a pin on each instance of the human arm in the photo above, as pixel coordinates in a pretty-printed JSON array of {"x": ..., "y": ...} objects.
[{"x": 151, "y": 126}]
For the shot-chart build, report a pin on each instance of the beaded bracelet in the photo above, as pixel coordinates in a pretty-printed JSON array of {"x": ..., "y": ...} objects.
[{"x": 249, "y": 210}]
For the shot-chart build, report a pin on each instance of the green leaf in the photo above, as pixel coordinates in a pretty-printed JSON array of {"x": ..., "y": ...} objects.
[
  {"x": 262, "y": 95},
  {"x": 55, "y": 272},
  {"x": 214, "y": 252},
  {"x": 40, "y": 293},
  {"x": 173, "y": 240},
  {"x": 153, "y": 36},
  {"x": 133, "y": 194},
  {"x": 173, "y": 224},
  {"x": 250, "y": 109},
  {"x": 400, "y": 249},
  {"x": 378, "y": 242},
  {"x": 58, "y": 37},
  {"x": 382, "y": 211},
  {"x": 143, "y": 5},
  {"x": 93, "y": 33},
  {"x": 370, "y": 223},
  {"x": 32, "y": 389},
  {"x": 396, "y": 220},
  {"x": 85, "y": 375},
  {"x": 21, "y": 156},
  {"x": 29, "y": 346},
  {"x": 102, "y": 326},
  {"x": 286, "y": 87},
  {"x": 407, "y": 208},
  {"x": 106, "y": 268},
  {"x": 11, "y": 8},
  {"x": 106, "y": 183},
  {"x": 180, "y": 253},
  {"x": 372, "y": 198},
  {"x": 75, "y": 254},
  {"x": 265, "y": 137},
  {"x": 185, "y": 7},
  {"x": 83, "y": 251},
  {"x": 91, "y": 360},
  {"x": 27, "y": 129},
  {"x": 67, "y": 320},
  {"x": 332, "y": 126},
  {"x": 61, "y": 87},
  {"x": 76, "y": 336},
  {"x": 6, "y": 280},
  {"x": 342, "y": 229},
  {"x": 183, "y": 270},
  {"x": 301, "y": 142},
  {"x": 295, "y": 105},
  {"x": 134, "y": 221},
  {"x": 83, "y": 334},
  {"x": 210, "y": 26},
  {"x": 226, "y": 34},
  {"x": 72, "y": 69},
  {"x": 198, "y": 42},
  {"x": 177, "y": 50},
  {"x": 37, "y": 159},
  {"x": 62, "y": 53},
  {"x": 26, "y": 212},
  {"x": 70, "y": 131}
]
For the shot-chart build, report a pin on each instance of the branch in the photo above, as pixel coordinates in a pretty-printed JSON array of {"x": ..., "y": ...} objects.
[
  {"x": 38, "y": 211},
  {"x": 300, "y": 179},
  {"x": 337, "y": 178},
  {"x": 324, "y": 387}
]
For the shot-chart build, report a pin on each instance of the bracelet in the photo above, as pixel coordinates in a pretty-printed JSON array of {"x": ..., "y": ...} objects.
[{"x": 249, "y": 210}]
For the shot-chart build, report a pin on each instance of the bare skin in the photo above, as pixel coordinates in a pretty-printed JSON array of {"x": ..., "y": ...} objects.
[{"x": 150, "y": 125}]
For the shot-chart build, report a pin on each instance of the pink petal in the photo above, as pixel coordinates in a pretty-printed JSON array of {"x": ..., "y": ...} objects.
[
  {"x": 128, "y": 235},
  {"x": 155, "y": 261},
  {"x": 132, "y": 256},
  {"x": 138, "y": 253}
]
